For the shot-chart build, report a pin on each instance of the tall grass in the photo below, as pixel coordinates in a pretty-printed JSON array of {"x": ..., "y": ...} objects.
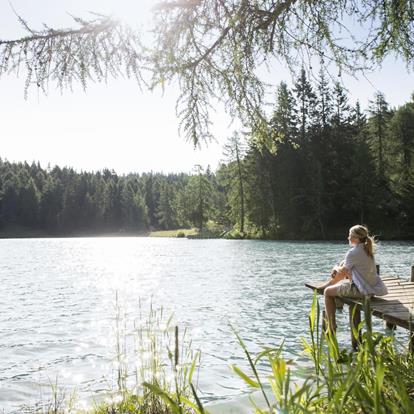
[
  {"x": 374, "y": 379},
  {"x": 156, "y": 367}
]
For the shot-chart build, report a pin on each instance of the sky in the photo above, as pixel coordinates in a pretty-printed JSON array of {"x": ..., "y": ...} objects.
[{"x": 115, "y": 125}]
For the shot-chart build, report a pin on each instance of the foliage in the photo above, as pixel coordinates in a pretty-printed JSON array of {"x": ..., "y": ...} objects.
[
  {"x": 320, "y": 165},
  {"x": 234, "y": 179},
  {"x": 164, "y": 380},
  {"x": 213, "y": 49},
  {"x": 174, "y": 233},
  {"x": 194, "y": 202},
  {"x": 375, "y": 379}
]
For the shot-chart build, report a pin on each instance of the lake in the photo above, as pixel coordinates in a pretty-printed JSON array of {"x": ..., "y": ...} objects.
[{"x": 58, "y": 305}]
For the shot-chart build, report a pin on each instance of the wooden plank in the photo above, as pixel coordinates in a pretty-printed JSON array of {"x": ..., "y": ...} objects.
[
  {"x": 393, "y": 291},
  {"x": 403, "y": 319},
  {"x": 394, "y": 307},
  {"x": 403, "y": 315},
  {"x": 391, "y": 283},
  {"x": 395, "y": 302},
  {"x": 399, "y": 319},
  {"x": 400, "y": 291},
  {"x": 402, "y": 296},
  {"x": 398, "y": 283},
  {"x": 393, "y": 311},
  {"x": 385, "y": 300},
  {"x": 395, "y": 321},
  {"x": 400, "y": 287}
]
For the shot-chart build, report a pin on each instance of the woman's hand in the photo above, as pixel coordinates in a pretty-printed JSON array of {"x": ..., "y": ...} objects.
[
  {"x": 335, "y": 270},
  {"x": 339, "y": 273}
]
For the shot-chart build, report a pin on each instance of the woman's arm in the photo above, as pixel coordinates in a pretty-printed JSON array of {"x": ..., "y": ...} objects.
[{"x": 340, "y": 272}]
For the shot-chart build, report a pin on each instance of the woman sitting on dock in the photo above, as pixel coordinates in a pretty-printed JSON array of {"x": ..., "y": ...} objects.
[{"x": 356, "y": 276}]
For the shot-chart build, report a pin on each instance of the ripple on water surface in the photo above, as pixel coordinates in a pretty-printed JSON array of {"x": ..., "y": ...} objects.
[{"x": 58, "y": 304}]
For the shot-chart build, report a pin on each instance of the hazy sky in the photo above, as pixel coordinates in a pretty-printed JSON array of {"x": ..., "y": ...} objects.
[{"x": 115, "y": 125}]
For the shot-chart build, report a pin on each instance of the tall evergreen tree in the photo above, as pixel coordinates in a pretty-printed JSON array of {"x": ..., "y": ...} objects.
[
  {"x": 305, "y": 98},
  {"x": 234, "y": 152},
  {"x": 165, "y": 210},
  {"x": 284, "y": 167},
  {"x": 402, "y": 130},
  {"x": 323, "y": 107},
  {"x": 378, "y": 127},
  {"x": 195, "y": 200}
]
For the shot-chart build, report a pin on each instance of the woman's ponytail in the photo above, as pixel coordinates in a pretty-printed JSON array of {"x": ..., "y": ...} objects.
[{"x": 369, "y": 246}]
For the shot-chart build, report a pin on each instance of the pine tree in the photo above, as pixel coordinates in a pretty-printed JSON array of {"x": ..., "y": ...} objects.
[
  {"x": 402, "y": 131},
  {"x": 378, "y": 129},
  {"x": 323, "y": 107},
  {"x": 50, "y": 205},
  {"x": 340, "y": 117},
  {"x": 234, "y": 152},
  {"x": 165, "y": 209},
  {"x": 305, "y": 100},
  {"x": 195, "y": 201}
]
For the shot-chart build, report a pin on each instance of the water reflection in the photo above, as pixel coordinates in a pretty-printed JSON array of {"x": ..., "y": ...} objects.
[{"x": 58, "y": 302}]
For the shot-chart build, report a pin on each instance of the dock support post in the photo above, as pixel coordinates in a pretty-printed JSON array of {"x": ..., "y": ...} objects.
[
  {"x": 388, "y": 325},
  {"x": 411, "y": 342},
  {"x": 412, "y": 274},
  {"x": 354, "y": 321}
]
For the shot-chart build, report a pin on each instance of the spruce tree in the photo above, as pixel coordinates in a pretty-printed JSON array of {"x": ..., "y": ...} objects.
[
  {"x": 378, "y": 130},
  {"x": 234, "y": 152}
]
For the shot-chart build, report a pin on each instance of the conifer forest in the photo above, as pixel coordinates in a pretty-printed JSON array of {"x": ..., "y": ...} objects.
[{"x": 319, "y": 166}]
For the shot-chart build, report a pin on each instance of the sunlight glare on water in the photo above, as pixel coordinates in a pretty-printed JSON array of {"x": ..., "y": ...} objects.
[{"x": 58, "y": 302}]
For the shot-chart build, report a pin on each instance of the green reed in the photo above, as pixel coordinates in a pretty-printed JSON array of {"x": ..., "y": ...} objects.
[
  {"x": 163, "y": 379},
  {"x": 374, "y": 379}
]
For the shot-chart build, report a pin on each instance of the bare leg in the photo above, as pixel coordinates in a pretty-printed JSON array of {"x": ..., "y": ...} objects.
[{"x": 330, "y": 307}]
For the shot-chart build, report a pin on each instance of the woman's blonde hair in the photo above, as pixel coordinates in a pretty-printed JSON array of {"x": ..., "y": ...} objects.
[{"x": 362, "y": 234}]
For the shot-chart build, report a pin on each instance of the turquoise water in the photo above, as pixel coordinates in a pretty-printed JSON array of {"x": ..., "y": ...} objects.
[{"x": 58, "y": 304}]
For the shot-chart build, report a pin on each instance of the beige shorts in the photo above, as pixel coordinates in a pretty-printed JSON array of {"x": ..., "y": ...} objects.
[{"x": 348, "y": 290}]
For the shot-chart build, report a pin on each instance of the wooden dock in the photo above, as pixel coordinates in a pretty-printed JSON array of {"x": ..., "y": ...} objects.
[{"x": 396, "y": 308}]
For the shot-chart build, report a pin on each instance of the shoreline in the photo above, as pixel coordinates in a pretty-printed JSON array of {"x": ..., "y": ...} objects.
[
  {"x": 16, "y": 236},
  {"x": 17, "y": 232}
]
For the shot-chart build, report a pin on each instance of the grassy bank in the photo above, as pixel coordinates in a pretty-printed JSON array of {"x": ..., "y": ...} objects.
[
  {"x": 211, "y": 230},
  {"x": 174, "y": 233}
]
